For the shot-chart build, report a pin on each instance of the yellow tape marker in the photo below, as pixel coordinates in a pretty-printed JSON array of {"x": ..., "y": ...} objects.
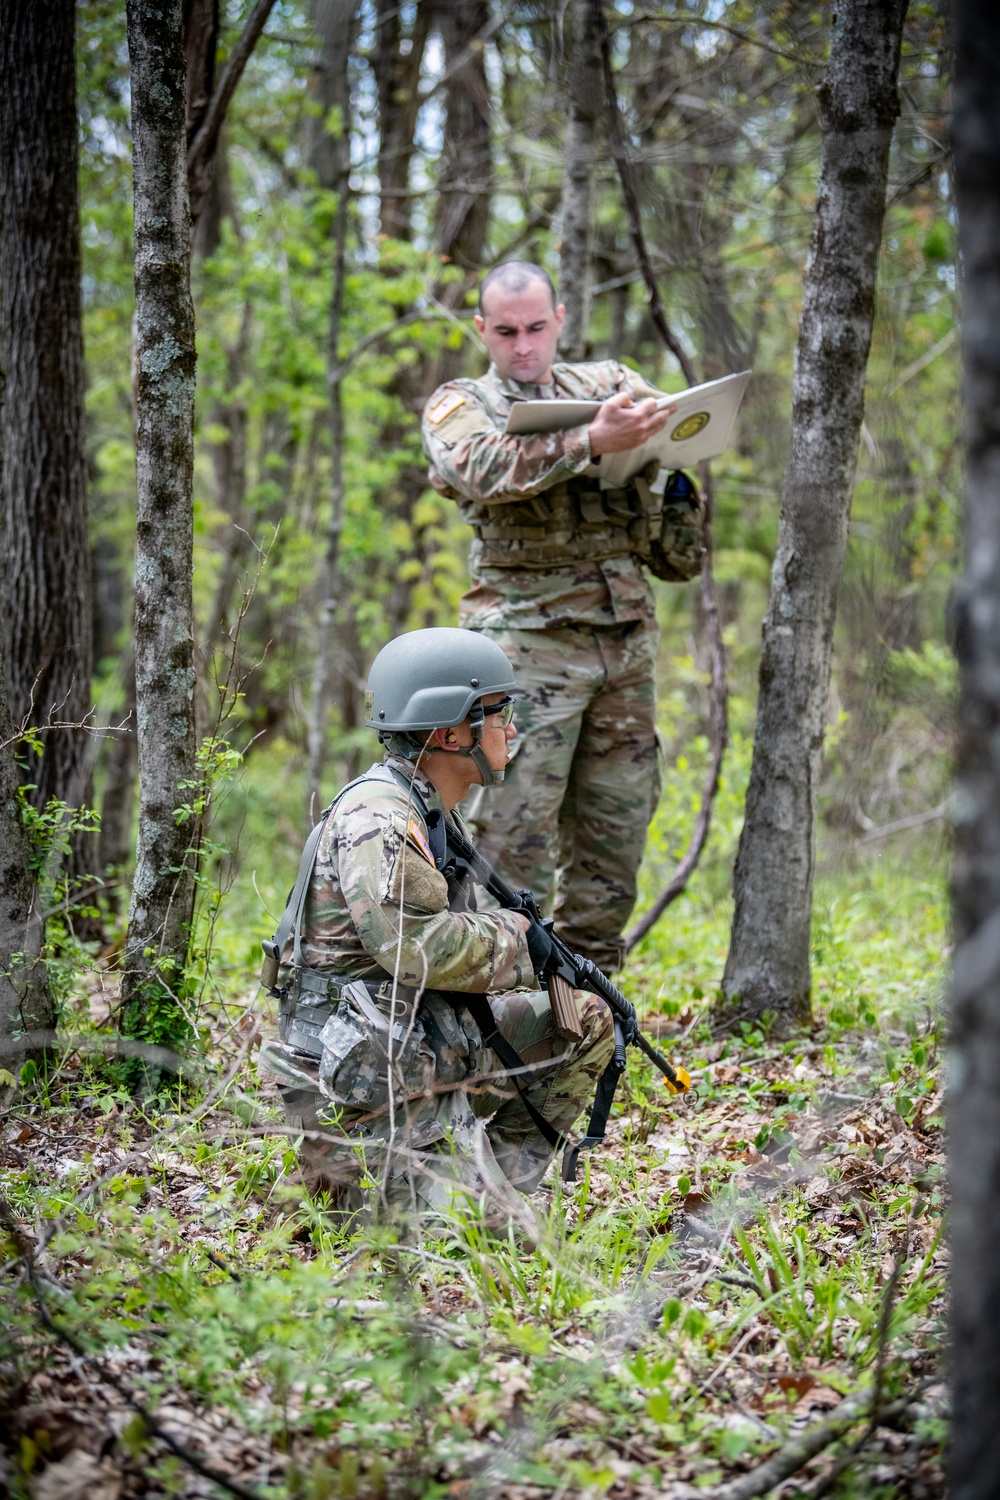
[{"x": 683, "y": 1081}]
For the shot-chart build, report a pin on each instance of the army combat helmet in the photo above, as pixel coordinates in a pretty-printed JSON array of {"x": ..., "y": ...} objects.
[{"x": 435, "y": 679}]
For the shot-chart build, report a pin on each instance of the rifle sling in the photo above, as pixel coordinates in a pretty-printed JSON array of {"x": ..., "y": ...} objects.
[
  {"x": 597, "y": 1127},
  {"x": 482, "y": 1013}
]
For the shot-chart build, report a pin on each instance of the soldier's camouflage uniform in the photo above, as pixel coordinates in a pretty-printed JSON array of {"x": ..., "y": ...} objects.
[
  {"x": 557, "y": 581},
  {"x": 378, "y": 910}
]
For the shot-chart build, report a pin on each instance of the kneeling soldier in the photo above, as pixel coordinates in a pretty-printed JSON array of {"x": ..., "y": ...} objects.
[{"x": 392, "y": 983}]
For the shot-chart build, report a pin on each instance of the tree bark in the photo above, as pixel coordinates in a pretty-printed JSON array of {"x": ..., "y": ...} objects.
[
  {"x": 397, "y": 80},
  {"x": 163, "y": 891},
  {"x": 974, "y": 1089},
  {"x": 27, "y": 1012},
  {"x": 768, "y": 964},
  {"x": 44, "y": 524},
  {"x": 585, "y": 102},
  {"x": 331, "y": 157}
]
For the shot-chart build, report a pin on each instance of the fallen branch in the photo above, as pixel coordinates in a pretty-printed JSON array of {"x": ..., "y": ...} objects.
[
  {"x": 718, "y": 689},
  {"x": 791, "y": 1456}
]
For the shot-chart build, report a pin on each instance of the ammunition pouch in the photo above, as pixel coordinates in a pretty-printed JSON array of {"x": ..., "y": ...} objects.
[
  {"x": 310, "y": 997},
  {"x": 579, "y": 521}
]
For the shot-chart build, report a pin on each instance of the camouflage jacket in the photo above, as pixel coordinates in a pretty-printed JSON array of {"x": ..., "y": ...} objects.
[
  {"x": 377, "y": 905},
  {"x": 538, "y": 559}
]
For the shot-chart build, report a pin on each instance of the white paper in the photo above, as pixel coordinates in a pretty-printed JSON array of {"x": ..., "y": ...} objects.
[{"x": 700, "y": 427}]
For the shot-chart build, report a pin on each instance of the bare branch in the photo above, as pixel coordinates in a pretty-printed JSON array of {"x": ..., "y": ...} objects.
[{"x": 201, "y": 153}]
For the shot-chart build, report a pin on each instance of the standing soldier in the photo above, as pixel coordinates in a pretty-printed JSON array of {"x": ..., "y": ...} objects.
[{"x": 556, "y": 581}]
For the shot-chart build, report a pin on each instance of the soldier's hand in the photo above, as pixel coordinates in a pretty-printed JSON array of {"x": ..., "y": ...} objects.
[
  {"x": 541, "y": 950},
  {"x": 623, "y": 423}
]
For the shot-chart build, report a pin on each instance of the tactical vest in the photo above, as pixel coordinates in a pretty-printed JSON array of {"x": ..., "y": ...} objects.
[{"x": 574, "y": 521}]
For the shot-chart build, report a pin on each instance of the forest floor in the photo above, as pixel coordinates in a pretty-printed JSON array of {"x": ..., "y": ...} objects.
[{"x": 743, "y": 1295}]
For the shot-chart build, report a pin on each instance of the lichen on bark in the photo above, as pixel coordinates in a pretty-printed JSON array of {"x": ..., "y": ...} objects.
[
  {"x": 157, "y": 947},
  {"x": 768, "y": 964}
]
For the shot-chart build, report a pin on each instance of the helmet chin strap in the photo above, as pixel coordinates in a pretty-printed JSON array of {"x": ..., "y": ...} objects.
[{"x": 476, "y": 721}]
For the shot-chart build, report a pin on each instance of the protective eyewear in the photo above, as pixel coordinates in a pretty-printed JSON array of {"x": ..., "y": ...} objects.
[{"x": 505, "y": 708}]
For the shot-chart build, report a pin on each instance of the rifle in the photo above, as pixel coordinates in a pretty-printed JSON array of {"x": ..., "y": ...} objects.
[{"x": 465, "y": 864}]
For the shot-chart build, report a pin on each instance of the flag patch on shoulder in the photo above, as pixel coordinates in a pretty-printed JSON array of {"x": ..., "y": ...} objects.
[
  {"x": 416, "y": 836},
  {"x": 446, "y": 406}
]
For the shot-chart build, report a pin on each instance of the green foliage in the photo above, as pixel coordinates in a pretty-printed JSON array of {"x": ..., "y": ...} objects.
[
  {"x": 362, "y": 1364},
  {"x": 377, "y": 1364}
]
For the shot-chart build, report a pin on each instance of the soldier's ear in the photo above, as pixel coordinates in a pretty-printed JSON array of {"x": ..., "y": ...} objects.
[{"x": 560, "y": 314}]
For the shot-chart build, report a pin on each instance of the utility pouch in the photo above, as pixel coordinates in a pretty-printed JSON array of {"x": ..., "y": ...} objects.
[
  {"x": 305, "y": 1004},
  {"x": 369, "y": 1041},
  {"x": 677, "y": 549}
]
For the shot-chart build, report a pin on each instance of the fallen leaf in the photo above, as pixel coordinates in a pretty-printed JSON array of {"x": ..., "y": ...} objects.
[
  {"x": 800, "y": 1384},
  {"x": 81, "y": 1476}
]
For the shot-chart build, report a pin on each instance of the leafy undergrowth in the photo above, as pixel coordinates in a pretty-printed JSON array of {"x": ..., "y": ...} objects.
[{"x": 729, "y": 1271}]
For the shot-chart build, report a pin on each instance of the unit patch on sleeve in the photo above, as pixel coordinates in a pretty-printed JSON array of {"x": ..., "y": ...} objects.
[
  {"x": 446, "y": 406},
  {"x": 416, "y": 836}
]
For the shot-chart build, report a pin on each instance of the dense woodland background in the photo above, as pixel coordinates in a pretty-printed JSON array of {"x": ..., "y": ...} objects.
[
  {"x": 456, "y": 163},
  {"x": 735, "y": 1264}
]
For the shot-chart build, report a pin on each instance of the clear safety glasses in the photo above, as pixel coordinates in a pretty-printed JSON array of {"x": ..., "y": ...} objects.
[{"x": 505, "y": 708}]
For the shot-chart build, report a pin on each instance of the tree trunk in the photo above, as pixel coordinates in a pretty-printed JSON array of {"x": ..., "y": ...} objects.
[
  {"x": 465, "y": 166},
  {"x": 396, "y": 61},
  {"x": 204, "y": 114},
  {"x": 229, "y": 460},
  {"x": 465, "y": 177},
  {"x": 114, "y": 849},
  {"x": 768, "y": 964},
  {"x": 163, "y": 892},
  {"x": 200, "y": 23},
  {"x": 27, "y": 1014},
  {"x": 331, "y": 157},
  {"x": 586, "y": 89},
  {"x": 974, "y": 1089},
  {"x": 44, "y": 525}
]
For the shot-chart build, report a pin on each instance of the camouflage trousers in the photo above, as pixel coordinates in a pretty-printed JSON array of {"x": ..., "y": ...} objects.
[
  {"x": 570, "y": 819},
  {"x": 463, "y": 1130}
]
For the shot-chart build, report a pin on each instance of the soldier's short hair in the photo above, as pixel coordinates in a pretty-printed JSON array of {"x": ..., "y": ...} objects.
[{"x": 514, "y": 276}]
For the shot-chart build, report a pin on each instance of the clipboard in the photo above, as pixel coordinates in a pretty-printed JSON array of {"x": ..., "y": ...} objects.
[{"x": 700, "y": 427}]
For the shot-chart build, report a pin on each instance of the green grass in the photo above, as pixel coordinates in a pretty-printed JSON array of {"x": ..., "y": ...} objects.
[{"x": 731, "y": 1264}]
